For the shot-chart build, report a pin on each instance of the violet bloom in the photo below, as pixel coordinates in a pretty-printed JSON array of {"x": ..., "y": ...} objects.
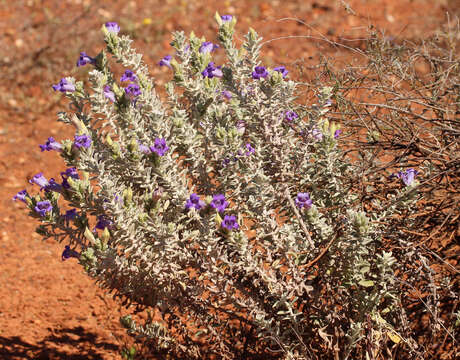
[
  {"x": 39, "y": 180},
  {"x": 159, "y": 147},
  {"x": 43, "y": 207},
  {"x": 112, "y": 27},
  {"x": 129, "y": 75},
  {"x": 133, "y": 90},
  {"x": 68, "y": 253},
  {"x": 227, "y": 94},
  {"x": 70, "y": 214},
  {"x": 212, "y": 71},
  {"x": 317, "y": 134},
  {"x": 290, "y": 116},
  {"x": 225, "y": 162},
  {"x": 119, "y": 199},
  {"x": 70, "y": 172},
  {"x": 51, "y": 144},
  {"x": 218, "y": 202},
  {"x": 208, "y": 47},
  {"x": 282, "y": 70},
  {"x": 259, "y": 72},
  {"x": 303, "y": 201},
  {"x": 249, "y": 149},
  {"x": 108, "y": 93},
  {"x": 407, "y": 176},
  {"x": 53, "y": 186},
  {"x": 64, "y": 86},
  {"x": 337, "y": 133},
  {"x": 85, "y": 59},
  {"x": 241, "y": 126},
  {"x": 21, "y": 195},
  {"x": 82, "y": 141},
  {"x": 144, "y": 148},
  {"x": 226, "y": 18},
  {"x": 229, "y": 222},
  {"x": 166, "y": 61},
  {"x": 102, "y": 222},
  {"x": 194, "y": 202}
]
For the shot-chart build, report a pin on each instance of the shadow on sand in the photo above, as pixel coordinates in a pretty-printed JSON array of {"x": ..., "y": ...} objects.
[{"x": 51, "y": 346}]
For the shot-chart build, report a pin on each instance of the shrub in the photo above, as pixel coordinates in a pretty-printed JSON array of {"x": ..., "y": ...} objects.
[{"x": 228, "y": 211}]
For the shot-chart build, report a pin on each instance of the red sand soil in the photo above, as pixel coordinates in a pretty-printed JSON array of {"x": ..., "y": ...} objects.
[{"x": 50, "y": 309}]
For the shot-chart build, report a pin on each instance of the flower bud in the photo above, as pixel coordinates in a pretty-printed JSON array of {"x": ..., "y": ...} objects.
[
  {"x": 118, "y": 91},
  {"x": 133, "y": 146},
  {"x": 128, "y": 196},
  {"x": 73, "y": 183},
  {"x": 252, "y": 34},
  {"x": 105, "y": 236},
  {"x": 218, "y": 219},
  {"x": 89, "y": 236},
  {"x": 221, "y": 134},
  {"x": 218, "y": 19},
  {"x": 109, "y": 140},
  {"x": 143, "y": 217}
]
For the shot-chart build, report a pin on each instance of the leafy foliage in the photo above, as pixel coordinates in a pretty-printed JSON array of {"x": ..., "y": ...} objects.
[{"x": 228, "y": 212}]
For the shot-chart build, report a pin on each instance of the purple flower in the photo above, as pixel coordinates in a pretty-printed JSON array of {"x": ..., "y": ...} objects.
[
  {"x": 133, "y": 90},
  {"x": 70, "y": 214},
  {"x": 21, "y": 195},
  {"x": 337, "y": 133},
  {"x": 70, "y": 172},
  {"x": 317, "y": 134},
  {"x": 208, "y": 47},
  {"x": 212, "y": 71},
  {"x": 119, "y": 199},
  {"x": 144, "y": 148},
  {"x": 225, "y": 162},
  {"x": 282, "y": 70},
  {"x": 102, "y": 222},
  {"x": 290, "y": 116},
  {"x": 85, "y": 59},
  {"x": 112, "y": 27},
  {"x": 407, "y": 176},
  {"x": 259, "y": 72},
  {"x": 194, "y": 202},
  {"x": 68, "y": 253},
  {"x": 129, "y": 75},
  {"x": 159, "y": 147},
  {"x": 226, "y": 18},
  {"x": 250, "y": 149},
  {"x": 53, "y": 186},
  {"x": 157, "y": 193},
  {"x": 43, "y": 207},
  {"x": 64, "y": 86},
  {"x": 82, "y": 141},
  {"x": 166, "y": 61},
  {"x": 241, "y": 126},
  {"x": 229, "y": 222},
  {"x": 218, "y": 202},
  {"x": 51, "y": 144},
  {"x": 303, "y": 200},
  {"x": 227, "y": 94},
  {"x": 39, "y": 180},
  {"x": 108, "y": 93}
]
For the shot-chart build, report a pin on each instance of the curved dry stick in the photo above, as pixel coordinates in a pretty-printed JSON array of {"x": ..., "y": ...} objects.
[{"x": 324, "y": 251}]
